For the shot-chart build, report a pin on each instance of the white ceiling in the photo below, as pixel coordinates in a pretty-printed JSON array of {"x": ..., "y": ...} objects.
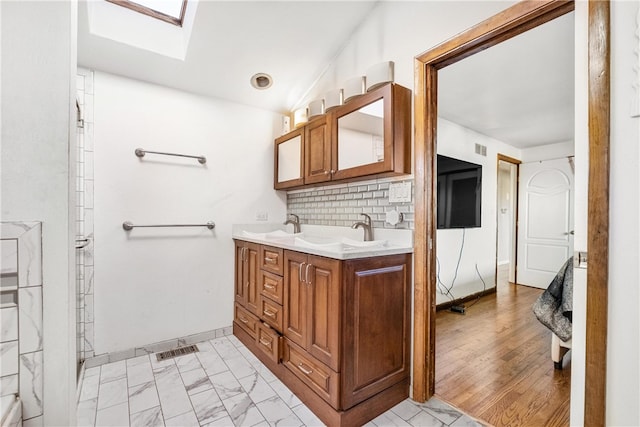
[{"x": 520, "y": 92}]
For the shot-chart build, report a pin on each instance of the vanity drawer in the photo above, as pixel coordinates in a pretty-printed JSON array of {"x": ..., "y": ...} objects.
[
  {"x": 269, "y": 341},
  {"x": 271, "y": 286},
  {"x": 271, "y": 259},
  {"x": 320, "y": 378},
  {"x": 271, "y": 313},
  {"x": 244, "y": 319}
]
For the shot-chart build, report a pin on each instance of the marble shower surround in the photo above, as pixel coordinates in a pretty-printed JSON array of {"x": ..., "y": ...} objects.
[{"x": 21, "y": 338}]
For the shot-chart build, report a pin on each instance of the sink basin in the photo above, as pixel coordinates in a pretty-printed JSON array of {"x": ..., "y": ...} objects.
[
  {"x": 274, "y": 235},
  {"x": 319, "y": 243},
  {"x": 363, "y": 244},
  {"x": 337, "y": 244}
]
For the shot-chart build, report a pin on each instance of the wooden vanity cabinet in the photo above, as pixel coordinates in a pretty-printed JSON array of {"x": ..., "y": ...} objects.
[
  {"x": 367, "y": 137},
  {"x": 342, "y": 344},
  {"x": 317, "y": 151},
  {"x": 246, "y": 286},
  {"x": 311, "y": 305}
]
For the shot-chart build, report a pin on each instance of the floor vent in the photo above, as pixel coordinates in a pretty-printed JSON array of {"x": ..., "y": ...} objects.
[{"x": 176, "y": 352}]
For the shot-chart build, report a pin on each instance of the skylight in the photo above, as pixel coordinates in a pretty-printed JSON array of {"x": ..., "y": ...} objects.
[{"x": 171, "y": 11}]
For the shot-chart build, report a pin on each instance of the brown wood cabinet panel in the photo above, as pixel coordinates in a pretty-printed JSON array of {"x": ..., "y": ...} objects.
[
  {"x": 239, "y": 283},
  {"x": 315, "y": 374},
  {"x": 246, "y": 284},
  {"x": 324, "y": 313},
  {"x": 245, "y": 320},
  {"x": 317, "y": 151},
  {"x": 269, "y": 341},
  {"x": 271, "y": 259},
  {"x": 271, "y": 313},
  {"x": 272, "y": 286},
  {"x": 295, "y": 304},
  {"x": 376, "y": 310}
]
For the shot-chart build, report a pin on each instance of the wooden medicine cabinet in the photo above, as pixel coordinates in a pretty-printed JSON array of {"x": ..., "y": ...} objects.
[{"x": 369, "y": 136}]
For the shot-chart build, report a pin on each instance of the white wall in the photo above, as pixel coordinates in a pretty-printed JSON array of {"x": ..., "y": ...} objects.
[
  {"x": 548, "y": 151},
  {"x": 38, "y": 103},
  {"x": 398, "y": 31},
  {"x": 157, "y": 284},
  {"x": 479, "y": 243},
  {"x": 623, "y": 368}
]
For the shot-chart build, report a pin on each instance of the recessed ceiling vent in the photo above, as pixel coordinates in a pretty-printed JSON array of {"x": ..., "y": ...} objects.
[{"x": 261, "y": 81}]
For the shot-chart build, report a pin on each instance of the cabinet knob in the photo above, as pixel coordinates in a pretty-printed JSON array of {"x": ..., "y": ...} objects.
[
  {"x": 326, "y": 172},
  {"x": 332, "y": 171}
]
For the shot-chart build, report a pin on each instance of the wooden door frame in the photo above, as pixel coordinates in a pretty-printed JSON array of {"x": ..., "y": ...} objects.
[
  {"x": 515, "y": 20},
  {"x": 517, "y": 164}
]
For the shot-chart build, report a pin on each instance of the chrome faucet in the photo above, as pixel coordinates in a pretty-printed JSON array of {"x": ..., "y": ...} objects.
[
  {"x": 295, "y": 220},
  {"x": 366, "y": 225}
]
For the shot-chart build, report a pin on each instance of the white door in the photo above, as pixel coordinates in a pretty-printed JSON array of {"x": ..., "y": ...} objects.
[{"x": 545, "y": 220}]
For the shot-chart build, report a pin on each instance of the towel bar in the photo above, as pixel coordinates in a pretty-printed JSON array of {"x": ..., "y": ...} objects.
[{"x": 128, "y": 225}]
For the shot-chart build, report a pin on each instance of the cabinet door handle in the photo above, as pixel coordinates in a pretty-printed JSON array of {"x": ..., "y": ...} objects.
[
  {"x": 269, "y": 259},
  {"x": 268, "y": 286},
  {"x": 269, "y": 313},
  {"x": 305, "y": 369},
  {"x": 265, "y": 342},
  {"x": 300, "y": 272},
  {"x": 243, "y": 320},
  {"x": 306, "y": 274}
]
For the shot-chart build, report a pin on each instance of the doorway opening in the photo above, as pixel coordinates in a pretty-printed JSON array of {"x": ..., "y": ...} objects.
[
  {"x": 507, "y": 221},
  {"x": 513, "y": 21}
]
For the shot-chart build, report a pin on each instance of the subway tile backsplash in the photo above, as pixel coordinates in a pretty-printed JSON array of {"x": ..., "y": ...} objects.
[{"x": 342, "y": 204}]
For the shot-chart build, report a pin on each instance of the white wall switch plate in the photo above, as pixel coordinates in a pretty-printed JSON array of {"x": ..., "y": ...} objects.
[
  {"x": 400, "y": 192},
  {"x": 262, "y": 216}
]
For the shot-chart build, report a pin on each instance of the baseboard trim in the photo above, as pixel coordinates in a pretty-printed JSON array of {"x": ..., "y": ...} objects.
[
  {"x": 458, "y": 301},
  {"x": 157, "y": 347}
]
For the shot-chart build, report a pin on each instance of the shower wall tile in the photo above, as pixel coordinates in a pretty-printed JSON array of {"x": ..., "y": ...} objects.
[
  {"x": 85, "y": 168},
  {"x": 31, "y": 384},
  {"x": 30, "y": 319},
  {"x": 88, "y": 279},
  {"x": 88, "y": 137},
  {"x": 9, "y": 324},
  {"x": 9, "y": 385},
  {"x": 88, "y": 108},
  {"x": 88, "y": 310},
  {"x": 9, "y": 358},
  {"x": 88, "y": 191},
  {"x": 34, "y": 422},
  {"x": 21, "y": 366}
]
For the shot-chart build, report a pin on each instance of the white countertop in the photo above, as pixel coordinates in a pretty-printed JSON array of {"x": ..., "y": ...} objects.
[{"x": 392, "y": 241}]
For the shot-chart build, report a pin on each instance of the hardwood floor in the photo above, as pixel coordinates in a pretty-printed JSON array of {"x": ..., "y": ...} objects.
[{"x": 494, "y": 362}]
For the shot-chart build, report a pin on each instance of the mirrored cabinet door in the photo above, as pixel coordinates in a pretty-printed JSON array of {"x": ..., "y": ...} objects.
[
  {"x": 371, "y": 134},
  {"x": 289, "y": 160}
]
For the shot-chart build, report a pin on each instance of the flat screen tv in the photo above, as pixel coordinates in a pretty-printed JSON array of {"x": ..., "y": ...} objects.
[{"x": 459, "y": 196}]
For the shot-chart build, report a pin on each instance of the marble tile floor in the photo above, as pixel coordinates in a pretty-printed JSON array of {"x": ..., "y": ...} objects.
[{"x": 223, "y": 384}]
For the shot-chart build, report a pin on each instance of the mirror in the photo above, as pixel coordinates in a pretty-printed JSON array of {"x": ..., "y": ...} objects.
[
  {"x": 289, "y": 158},
  {"x": 361, "y": 136}
]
